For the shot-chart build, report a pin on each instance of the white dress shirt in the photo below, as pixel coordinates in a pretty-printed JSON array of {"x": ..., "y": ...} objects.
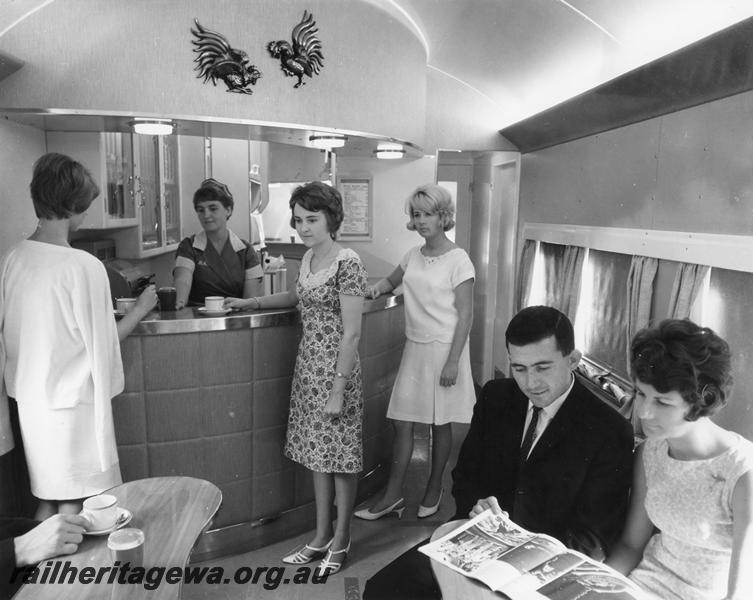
[{"x": 546, "y": 415}]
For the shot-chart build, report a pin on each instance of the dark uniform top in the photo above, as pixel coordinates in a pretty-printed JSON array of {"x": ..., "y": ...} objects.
[{"x": 217, "y": 274}]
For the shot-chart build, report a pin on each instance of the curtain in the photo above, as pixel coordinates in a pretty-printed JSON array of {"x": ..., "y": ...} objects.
[
  {"x": 563, "y": 268},
  {"x": 685, "y": 289},
  {"x": 572, "y": 273},
  {"x": 640, "y": 292},
  {"x": 525, "y": 276},
  {"x": 605, "y": 326}
]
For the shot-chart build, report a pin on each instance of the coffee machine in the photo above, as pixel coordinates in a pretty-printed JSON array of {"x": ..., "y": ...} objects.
[{"x": 127, "y": 279}]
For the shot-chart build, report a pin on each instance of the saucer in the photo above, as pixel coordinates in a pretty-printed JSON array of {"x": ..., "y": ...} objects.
[
  {"x": 124, "y": 517},
  {"x": 213, "y": 313}
]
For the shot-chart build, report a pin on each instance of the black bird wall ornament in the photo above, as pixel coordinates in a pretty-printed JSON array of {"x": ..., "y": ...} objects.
[
  {"x": 304, "y": 56},
  {"x": 216, "y": 59}
]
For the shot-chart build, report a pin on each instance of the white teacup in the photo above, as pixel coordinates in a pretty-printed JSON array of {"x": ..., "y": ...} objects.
[
  {"x": 102, "y": 511},
  {"x": 124, "y": 305},
  {"x": 214, "y": 303}
]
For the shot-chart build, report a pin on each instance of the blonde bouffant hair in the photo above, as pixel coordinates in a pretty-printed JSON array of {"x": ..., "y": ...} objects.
[{"x": 434, "y": 200}]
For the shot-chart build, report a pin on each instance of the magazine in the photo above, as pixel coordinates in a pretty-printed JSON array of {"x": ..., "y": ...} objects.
[{"x": 523, "y": 565}]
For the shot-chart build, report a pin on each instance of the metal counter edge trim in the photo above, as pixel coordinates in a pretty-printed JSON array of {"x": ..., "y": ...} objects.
[{"x": 188, "y": 321}]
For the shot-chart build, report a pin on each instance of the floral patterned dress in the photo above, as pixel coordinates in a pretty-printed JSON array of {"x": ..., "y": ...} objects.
[{"x": 314, "y": 440}]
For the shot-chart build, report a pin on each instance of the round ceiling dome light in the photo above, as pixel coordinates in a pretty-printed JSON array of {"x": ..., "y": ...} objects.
[{"x": 153, "y": 126}]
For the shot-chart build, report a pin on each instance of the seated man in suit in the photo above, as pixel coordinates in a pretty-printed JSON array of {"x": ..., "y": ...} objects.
[
  {"x": 540, "y": 447},
  {"x": 26, "y": 542}
]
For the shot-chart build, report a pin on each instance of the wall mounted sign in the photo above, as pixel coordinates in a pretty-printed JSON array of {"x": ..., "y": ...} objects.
[
  {"x": 357, "y": 205},
  {"x": 216, "y": 59},
  {"x": 304, "y": 56}
]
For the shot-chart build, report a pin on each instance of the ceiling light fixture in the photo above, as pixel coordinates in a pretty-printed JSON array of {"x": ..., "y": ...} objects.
[
  {"x": 327, "y": 141},
  {"x": 389, "y": 151},
  {"x": 153, "y": 126}
]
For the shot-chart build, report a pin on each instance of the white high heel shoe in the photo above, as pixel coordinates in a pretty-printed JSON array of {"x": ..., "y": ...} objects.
[
  {"x": 427, "y": 511},
  {"x": 328, "y": 566},
  {"x": 307, "y": 554},
  {"x": 367, "y": 515}
]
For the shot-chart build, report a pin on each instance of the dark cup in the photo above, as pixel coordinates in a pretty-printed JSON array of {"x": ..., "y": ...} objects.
[
  {"x": 167, "y": 298},
  {"x": 127, "y": 546}
]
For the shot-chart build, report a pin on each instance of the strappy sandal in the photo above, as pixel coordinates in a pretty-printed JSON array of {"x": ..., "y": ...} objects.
[
  {"x": 307, "y": 554},
  {"x": 328, "y": 566}
]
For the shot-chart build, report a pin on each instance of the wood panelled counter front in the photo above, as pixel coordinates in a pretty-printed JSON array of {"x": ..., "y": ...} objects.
[{"x": 208, "y": 397}]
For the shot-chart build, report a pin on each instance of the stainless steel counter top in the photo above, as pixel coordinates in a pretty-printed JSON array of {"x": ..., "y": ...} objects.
[{"x": 191, "y": 320}]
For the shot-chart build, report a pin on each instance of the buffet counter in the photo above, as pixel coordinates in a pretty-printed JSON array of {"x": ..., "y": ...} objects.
[{"x": 208, "y": 397}]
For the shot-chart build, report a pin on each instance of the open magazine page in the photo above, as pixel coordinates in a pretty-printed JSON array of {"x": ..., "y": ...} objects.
[
  {"x": 526, "y": 566},
  {"x": 493, "y": 549},
  {"x": 590, "y": 580}
]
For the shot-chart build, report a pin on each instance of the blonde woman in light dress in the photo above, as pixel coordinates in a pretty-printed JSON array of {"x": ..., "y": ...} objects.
[
  {"x": 326, "y": 404},
  {"x": 434, "y": 383},
  {"x": 689, "y": 533},
  {"x": 59, "y": 344}
]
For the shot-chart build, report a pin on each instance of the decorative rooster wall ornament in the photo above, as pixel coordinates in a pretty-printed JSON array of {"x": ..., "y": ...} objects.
[
  {"x": 305, "y": 56},
  {"x": 216, "y": 59}
]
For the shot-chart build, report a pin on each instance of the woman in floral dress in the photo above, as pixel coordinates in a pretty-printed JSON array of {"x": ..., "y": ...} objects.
[{"x": 326, "y": 406}]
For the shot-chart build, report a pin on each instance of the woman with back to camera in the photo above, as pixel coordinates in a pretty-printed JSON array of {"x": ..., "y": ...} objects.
[
  {"x": 60, "y": 350},
  {"x": 215, "y": 261},
  {"x": 326, "y": 405},
  {"x": 689, "y": 532},
  {"x": 434, "y": 383}
]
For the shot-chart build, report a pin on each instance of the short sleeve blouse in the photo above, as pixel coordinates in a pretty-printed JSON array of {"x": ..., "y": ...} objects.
[
  {"x": 217, "y": 274},
  {"x": 429, "y": 284}
]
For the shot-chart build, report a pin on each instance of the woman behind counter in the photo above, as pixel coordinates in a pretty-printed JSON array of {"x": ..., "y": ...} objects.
[
  {"x": 434, "y": 383},
  {"x": 215, "y": 261},
  {"x": 59, "y": 349},
  {"x": 326, "y": 405}
]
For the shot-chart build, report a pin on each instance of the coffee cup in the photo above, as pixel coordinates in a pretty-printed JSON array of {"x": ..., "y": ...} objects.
[
  {"x": 124, "y": 305},
  {"x": 127, "y": 546},
  {"x": 214, "y": 303},
  {"x": 167, "y": 298},
  {"x": 102, "y": 511}
]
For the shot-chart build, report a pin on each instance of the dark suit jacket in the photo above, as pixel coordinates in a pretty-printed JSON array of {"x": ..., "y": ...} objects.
[
  {"x": 576, "y": 482},
  {"x": 10, "y": 527}
]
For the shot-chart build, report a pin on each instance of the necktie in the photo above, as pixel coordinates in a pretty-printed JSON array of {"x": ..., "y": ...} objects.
[{"x": 530, "y": 436}]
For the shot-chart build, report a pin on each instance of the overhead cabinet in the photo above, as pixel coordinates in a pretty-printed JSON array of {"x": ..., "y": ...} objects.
[
  {"x": 140, "y": 180},
  {"x": 109, "y": 158}
]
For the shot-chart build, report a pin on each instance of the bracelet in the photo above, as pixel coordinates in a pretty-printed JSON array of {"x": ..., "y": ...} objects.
[
  {"x": 341, "y": 375},
  {"x": 258, "y": 303}
]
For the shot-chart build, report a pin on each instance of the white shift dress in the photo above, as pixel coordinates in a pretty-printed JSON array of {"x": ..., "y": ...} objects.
[
  {"x": 62, "y": 365},
  {"x": 430, "y": 318}
]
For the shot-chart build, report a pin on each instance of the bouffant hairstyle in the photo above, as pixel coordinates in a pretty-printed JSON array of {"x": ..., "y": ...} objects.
[
  {"x": 680, "y": 356},
  {"x": 537, "y": 323},
  {"x": 211, "y": 189},
  {"x": 61, "y": 187},
  {"x": 434, "y": 200},
  {"x": 319, "y": 197}
]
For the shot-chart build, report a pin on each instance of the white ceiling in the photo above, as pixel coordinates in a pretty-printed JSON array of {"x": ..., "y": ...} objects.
[
  {"x": 524, "y": 56},
  {"x": 528, "y": 55}
]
